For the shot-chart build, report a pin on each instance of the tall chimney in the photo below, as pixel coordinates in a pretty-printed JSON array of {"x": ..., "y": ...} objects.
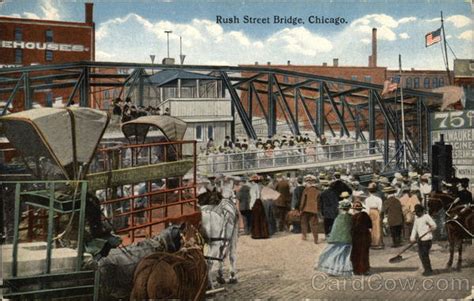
[
  {"x": 89, "y": 13},
  {"x": 374, "y": 47},
  {"x": 335, "y": 62}
]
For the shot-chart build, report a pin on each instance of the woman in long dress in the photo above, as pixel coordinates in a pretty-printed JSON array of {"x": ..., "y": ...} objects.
[
  {"x": 335, "y": 258},
  {"x": 361, "y": 225}
]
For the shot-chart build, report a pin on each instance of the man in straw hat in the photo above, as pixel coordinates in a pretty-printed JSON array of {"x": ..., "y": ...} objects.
[
  {"x": 393, "y": 209},
  {"x": 374, "y": 206},
  {"x": 408, "y": 201},
  {"x": 309, "y": 207},
  {"x": 335, "y": 258},
  {"x": 282, "y": 203},
  {"x": 360, "y": 231}
]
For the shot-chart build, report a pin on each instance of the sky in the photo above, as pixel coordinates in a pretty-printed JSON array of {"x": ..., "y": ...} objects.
[{"x": 129, "y": 31}]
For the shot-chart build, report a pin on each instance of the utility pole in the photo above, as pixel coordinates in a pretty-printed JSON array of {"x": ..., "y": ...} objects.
[
  {"x": 403, "y": 114},
  {"x": 168, "y": 39}
]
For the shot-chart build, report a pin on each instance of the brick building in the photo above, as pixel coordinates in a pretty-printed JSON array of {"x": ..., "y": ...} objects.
[
  {"x": 420, "y": 79},
  {"x": 25, "y": 42}
]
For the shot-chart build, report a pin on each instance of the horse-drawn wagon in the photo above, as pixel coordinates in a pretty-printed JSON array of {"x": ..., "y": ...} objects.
[{"x": 77, "y": 200}]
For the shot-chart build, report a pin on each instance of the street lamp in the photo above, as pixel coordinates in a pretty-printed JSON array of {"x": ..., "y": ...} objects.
[{"x": 168, "y": 39}]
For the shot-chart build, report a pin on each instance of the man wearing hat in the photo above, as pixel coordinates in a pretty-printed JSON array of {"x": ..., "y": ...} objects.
[
  {"x": 464, "y": 195},
  {"x": 296, "y": 201},
  {"x": 408, "y": 201},
  {"x": 309, "y": 207},
  {"x": 360, "y": 231},
  {"x": 393, "y": 210},
  {"x": 243, "y": 195},
  {"x": 374, "y": 206},
  {"x": 282, "y": 203},
  {"x": 423, "y": 224},
  {"x": 329, "y": 206}
]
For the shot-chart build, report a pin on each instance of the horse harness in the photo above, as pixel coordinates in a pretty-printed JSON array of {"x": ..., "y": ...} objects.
[
  {"x": 456, "y": 217},
  {"x": 222, "y": 234}
]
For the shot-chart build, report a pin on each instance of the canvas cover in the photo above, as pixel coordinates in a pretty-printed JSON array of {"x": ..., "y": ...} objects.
[
  {"x": 58, "y": 134},
  {"x": 173, "y": 128}
]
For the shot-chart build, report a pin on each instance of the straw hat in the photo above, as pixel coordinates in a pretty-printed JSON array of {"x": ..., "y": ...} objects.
[
  {"x": 345, "y": 195},
  {"x": 413, "y": 174},
  {"x": 389, "y": 189}
]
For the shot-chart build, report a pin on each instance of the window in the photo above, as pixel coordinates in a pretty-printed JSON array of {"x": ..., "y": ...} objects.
[
  {"x": 416, "y": 82},
  {"x": 285, "y": 79},
  {"x": 354, "y": 77},
  {"x": 435, "y": 82},
  {"x": 18, "y": 34},
  {"x": 408, "y": 82},
  {"x": 210, "y": 132},
  {"x": 49, "y": 55},
  {"x": 426, "y": 83},
  {"x": 18, "y": 56},
  {"x": 49, "y": 35},
  {"x": 49, "y": 99},
  {"x": 106, "y": 94},
  {"x": 368, "y": 78},
  {"x": 396, "y": 79},
  {"x": 198, "y": 133},
  {"x": 441, "y": 82}
]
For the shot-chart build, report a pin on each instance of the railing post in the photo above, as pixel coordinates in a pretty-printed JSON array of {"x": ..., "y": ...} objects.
[{"x": 50, "y": 227}]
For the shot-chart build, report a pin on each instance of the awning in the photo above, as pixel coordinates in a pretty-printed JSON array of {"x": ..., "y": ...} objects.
[
  {"x": 62, "y": 135},
  {"x": 172, "y": 128}
]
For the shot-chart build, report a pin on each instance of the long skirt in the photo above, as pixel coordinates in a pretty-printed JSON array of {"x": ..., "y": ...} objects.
[
  {"x": 376, "y": 228},
  {"x": 259, "y": 228},
  {"x": 336, "y": 260},
  {"x": 360, "y": 254}
]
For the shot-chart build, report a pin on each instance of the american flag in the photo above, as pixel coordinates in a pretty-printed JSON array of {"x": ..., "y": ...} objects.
[
  {"x": 433, "y": 37},
  {"x": 389, "y": 86}
]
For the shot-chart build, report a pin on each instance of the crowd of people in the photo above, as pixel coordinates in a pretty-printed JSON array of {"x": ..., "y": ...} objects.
[
  {"x": 356, "y": 218},
  {"x": 125, "y": 111},
  {"x": 274, "y": 151}
]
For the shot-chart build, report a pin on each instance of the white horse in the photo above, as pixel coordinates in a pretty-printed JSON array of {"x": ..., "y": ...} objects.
[{"x": 220, "y": 228}]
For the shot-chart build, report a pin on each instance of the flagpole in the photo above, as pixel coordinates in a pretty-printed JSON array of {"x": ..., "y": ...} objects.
[
  {"x": 445, "y": 49},
  {"x": 403, "y": 113}
]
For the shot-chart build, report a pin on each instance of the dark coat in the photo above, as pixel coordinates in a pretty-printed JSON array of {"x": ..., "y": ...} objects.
[
  {"x": 329, "y": 203},
  {"x": 310, "y": 200},
  {"x": 393, "y": 208},
  {"x": 361, "y": 240},
  {"x": 243, "y": 195},
  {"x": 283, "y": 187},
  {"x": 465, "y": 197},
  {"x": 296, "y": 198}
]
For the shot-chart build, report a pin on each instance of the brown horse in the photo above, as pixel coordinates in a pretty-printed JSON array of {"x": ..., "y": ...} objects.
[
  {"x": 459, "y": 225},
  {"x": 181, "y": 275}
]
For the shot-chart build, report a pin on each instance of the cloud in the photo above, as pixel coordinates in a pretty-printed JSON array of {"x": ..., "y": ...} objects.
[
  {"x": 48, "y": 10},
  {"x": 407, "y": 20},
  {"x": 467, "y": 35},
  {"x": 458, "y": 20},
  {"x": 133, "y": 37},
  {"x": 404, "y": 35}
]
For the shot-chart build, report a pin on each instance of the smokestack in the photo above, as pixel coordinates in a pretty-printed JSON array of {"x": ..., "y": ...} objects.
[
  {"x": 288, "y": 62},
  {"x": 335, "y": 62},
  {"x": 89, "y": 13},
  {"x": 374, "y": 47}
]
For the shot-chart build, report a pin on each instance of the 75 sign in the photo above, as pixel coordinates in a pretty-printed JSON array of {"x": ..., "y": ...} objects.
[{"x": 452, "y": 120}]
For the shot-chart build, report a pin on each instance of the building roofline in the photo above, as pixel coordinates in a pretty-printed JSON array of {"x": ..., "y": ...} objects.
[
  {"x": 45, "y": 22},
  {"x": 308, "y": 66}
]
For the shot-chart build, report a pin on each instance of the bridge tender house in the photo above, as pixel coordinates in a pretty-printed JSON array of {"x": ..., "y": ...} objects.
[{"x": 458, "y": 130}]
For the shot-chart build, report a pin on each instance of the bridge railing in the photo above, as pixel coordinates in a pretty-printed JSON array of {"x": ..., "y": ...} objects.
[{"x": 216, "y": 163}]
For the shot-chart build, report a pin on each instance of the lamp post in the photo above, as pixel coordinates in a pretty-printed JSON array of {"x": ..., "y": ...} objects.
[
  {"x": 152, "y": 57},
  {"x": 168, "y": 41}
]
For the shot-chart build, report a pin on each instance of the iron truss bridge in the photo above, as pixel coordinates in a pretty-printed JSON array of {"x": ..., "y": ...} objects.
[{"x": 321, "y": 104}]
